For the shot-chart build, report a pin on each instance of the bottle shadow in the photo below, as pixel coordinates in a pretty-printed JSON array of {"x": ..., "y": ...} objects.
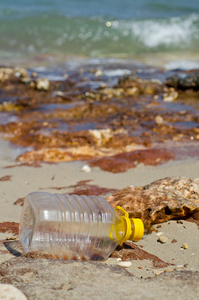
[{"x": 14, "y": 247}]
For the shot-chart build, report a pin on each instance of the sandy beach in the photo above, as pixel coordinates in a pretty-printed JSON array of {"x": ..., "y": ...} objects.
[
  {"x": 64, "y": 177},
  {"x": 78, "y": 135},
  {"x": 101, "y": 98}
]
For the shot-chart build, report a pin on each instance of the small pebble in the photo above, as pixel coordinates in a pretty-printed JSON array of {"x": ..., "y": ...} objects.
[
  {"x": 60, "y": 93},
  {"x": 168, "y": 270},
  {"x": 86, "y": 169},
  {"x": 11, "y": 238},
  {"x": 124, "y": 264},
  {"x": 34, "y": 74},
  {"x": 159, "y": 120},
  {"x": 158, "y": 272},
  {"x": 99, "y": 73},
  {"x": 185, "y": 246},
  {"x": 179, "y": 222},
  {"x": 163, "y": 239},
  {"x": 159, "y": 233},
  {"x": 179, "y": 266},
  {"x": 43, "y": 84},
  {"x": 159, "y": 226},
  {"x": 119, "y": 259},
  {"x": 174, "y": 241}
]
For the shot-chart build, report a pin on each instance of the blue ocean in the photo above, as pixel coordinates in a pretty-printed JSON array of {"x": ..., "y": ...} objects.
[{"x": 107, "y": 28}]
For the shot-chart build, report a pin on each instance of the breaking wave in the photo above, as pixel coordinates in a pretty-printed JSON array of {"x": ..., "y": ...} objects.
[{"x": 98, "y": 36}]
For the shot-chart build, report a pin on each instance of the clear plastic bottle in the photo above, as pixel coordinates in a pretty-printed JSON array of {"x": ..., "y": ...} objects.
[{"x": 75, "y": 227}]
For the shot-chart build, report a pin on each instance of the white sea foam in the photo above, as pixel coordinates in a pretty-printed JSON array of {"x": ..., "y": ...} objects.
[
  {"x": 177, "y": 31},
  {"x": 182, "y": 64},
  {"x": 117, "y": 72}
]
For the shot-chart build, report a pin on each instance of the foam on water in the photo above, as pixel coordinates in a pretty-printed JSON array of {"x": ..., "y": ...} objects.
[
  {"x": 92, "y": 37},
  {"x": 109, "y": 28},
  {"x": 182, "y": 65},
  {"x": 174, "y": 32}
]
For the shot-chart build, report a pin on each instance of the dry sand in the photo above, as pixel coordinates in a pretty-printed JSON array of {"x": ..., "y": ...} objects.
[{"x": 48, "y": 177}]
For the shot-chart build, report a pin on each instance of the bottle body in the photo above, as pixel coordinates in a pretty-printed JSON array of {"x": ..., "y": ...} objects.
[{"x": 70, "y": 226}]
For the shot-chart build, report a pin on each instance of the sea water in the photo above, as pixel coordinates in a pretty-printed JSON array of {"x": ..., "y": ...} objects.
[{"x": 106, "y": 28}]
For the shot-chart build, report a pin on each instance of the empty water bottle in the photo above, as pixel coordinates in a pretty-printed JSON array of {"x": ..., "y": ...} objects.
[{"x": 75, "y": 227}]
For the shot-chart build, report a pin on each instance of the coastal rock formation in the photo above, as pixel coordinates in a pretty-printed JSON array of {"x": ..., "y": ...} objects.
[
  {"x": 113, "y": 123},
  {"x": 163, "y": 200},
  {"x": 191, "y": 81}
]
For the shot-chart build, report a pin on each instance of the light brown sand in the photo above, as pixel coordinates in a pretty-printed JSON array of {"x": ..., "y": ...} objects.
[{"x": 26, "y": 179}]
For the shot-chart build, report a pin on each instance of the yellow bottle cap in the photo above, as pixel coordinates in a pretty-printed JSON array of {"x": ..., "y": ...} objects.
[{"x": 138, "y": 229}]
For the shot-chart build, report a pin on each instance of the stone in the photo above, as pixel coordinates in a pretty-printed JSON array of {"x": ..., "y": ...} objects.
[
  {"x": 124, "y": 264},
  {"x": 9, "y": 292},
  {"x": 99, "y": 73},
  {"x": 158, "y": 272},
  {"x": 191, "y": 81},
  {"x": 42, "y": 84},
  {"x": 159, "y": 233},
  {"x": 163, "y": 239},
  {"x": 185, "y": 246},
  {"x": 174, "y": 241},
  {"x": 86, "y": 169},
  {"x": 161, "y": 201},
  {"x": 5, "y": 73},
  {"x": 20, "y": 72},
  {"x": 170, "y": 95},
  {"x": 159, "y": 120}
]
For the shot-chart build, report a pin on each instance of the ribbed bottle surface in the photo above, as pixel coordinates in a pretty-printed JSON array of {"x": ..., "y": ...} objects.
[{"x": 68, "y": 226}]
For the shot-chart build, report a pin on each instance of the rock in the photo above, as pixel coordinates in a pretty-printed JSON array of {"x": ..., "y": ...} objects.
[
  {"x": 42, "y": 84},
  {"x": 170, "y": 95},
  {"x": 191, "y": 81},
  {"x": 5, "y": 73},
  {"x": 86, "y": 169},
  {"x": 174, "y": 241},
  {"x": 101, "y": 135},
  {"x": 159, "y": 120},
  {"x": 163, "y": 239},
  {"x": 158, "y": 272},
  {"x": 169, "y": 270},
  {"x": 124, "y": 264},
  {"x": 99, "y": 73},
  {"x": 185, "y": 246},
  {"x": 59, "y": 154},
  {"x": 132, "y": 91},
  {"x": 159, "y": 233},
  {"x": 20, "y": 72},
  {"x": 9, "y": 292},
  {"x": 161, "y": 201}
]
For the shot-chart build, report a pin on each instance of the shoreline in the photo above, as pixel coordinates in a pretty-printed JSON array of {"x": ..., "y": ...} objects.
[{"x": 175, "y": 60}]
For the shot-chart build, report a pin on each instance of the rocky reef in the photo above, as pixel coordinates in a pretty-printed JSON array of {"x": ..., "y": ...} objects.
[{"x": 87, "y": 115}]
